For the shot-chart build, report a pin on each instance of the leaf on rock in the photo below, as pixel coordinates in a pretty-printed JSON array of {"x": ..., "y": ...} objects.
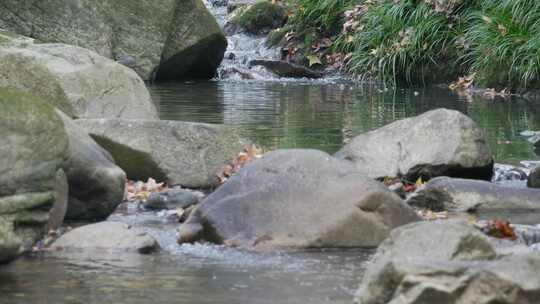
[{"x": 313, "y": 60}]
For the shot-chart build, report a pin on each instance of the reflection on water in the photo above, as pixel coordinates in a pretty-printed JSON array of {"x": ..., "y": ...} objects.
[
  {"x": 193, "y": 274},
  {"x": 324, "y": 115},
  {"x": 198, "y": 275}
]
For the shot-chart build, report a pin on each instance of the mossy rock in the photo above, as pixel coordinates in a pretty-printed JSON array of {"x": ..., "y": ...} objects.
[
  {"x": 77, "y": 81},
  {"x": 150, "y": 32},
  {"x": 33, "y": 146},
  {"x": 261, "y": 17}
]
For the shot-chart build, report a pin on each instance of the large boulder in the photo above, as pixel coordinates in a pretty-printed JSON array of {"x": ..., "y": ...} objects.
[
  {"x": 447, "y": 263},
  {"x": 96, "y": 184},
  {"x": 437, "y": 143},
  {"x": 173, "y": 37},
  {"x": 188, "y": 154},
  {"x": 33, "y": 193},
  {"x": 297, "y": 198},
  {"x": 80, "y": 82},
  {"x": 120, "y": 237},
  {"x": 483, "y": 199},
  {"x": 534, "y": 178}
]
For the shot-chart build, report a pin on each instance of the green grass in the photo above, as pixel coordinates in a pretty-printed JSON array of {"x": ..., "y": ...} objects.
[
  {"x": 409, "y": 41},
  {"x": 505, "y": 43}
]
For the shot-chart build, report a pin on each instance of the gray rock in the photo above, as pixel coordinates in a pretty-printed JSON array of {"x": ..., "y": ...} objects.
[
  {"x": 437, "y": 143},
  {"x": 447, "y": 263},
  {"x": 484, "y": 199},
  {"x": 189, "y": 154},
  {"x": 162, "y": 36},
  {"x": 172, "y": 199},
  {"x": 33, "y": 146},
  {"x": 113, "y": 236},
  {"x": 59, "y": 209},
  {"x": 79, "y": 82},
  {"x": 287, "y": 69},
  {"x": 534, "y": 178},
  {"x": 96, "y": 184},
  {"x": 297, "y": 198}
]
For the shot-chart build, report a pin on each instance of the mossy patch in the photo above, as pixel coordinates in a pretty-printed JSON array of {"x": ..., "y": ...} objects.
[{"x": 261, "y": 17}]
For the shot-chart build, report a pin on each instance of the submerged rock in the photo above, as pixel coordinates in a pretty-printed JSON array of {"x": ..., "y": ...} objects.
[
  {"x": 172, "y": 199},
  {"x": 437, "y": 143},
  {"x": 112, "y": 236},
  {"x": 79, "y": 82},
  {"x": 287, "y": 69},
  {"x": 446, "y": 263},
  {"x": 33, "y": 193},
  {"x": 176, "y": 38},
  {"x": 297, "y": 198},
  {"x": 484, "y": 199},
  {"x": 534, "y": 178},
  {"x": 96, "y": 184},
  {"x": 188, "y": 154}
]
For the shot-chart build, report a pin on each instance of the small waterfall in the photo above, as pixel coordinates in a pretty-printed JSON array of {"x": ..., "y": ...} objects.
[{"x": 242, "y": 48}]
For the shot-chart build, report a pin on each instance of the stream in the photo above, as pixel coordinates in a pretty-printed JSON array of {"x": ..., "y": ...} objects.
[{"x": 275, "y": 113}]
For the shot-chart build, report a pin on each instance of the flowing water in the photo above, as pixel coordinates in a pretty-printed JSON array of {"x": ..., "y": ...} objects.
[{"x": 183, "y": 274}]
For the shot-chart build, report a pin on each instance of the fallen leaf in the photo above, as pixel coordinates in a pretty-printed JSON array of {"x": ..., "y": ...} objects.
[{"x": 313, "y": 60}]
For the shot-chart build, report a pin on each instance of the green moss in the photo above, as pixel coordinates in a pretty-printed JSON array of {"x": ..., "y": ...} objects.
[
  {"x": 30, "y": 75},
  {"x": 16, "y": 203},
  {"x": 277, "y": 36},
  {"x": 505, "y": 43},
  {"x": 261, "y": 16}
]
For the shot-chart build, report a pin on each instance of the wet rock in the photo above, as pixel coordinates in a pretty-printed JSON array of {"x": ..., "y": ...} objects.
[
  {"x": 79, "y": 82},
  {"x": 258, "y": 18},
  {"x": 172, "y": 199},
  {"x": 33, "y": 147},
  {"x": 437, "y": 143},
  {"x": 297, "y": 198},
  {"x": 286, "y": 69},
  {"x": 446, "y": 263},
  {"x": 195, "y": 45},
  {"x": 119, "y": 237},
  {"x": 187, "y": 154},
  {"x": 484, "y": 199},
  {"x": 534, "y": 178},
  {"x": 157, "y": 34},
  {"x": 57, "y": 213},
  {"x": 96, "y": 184}
]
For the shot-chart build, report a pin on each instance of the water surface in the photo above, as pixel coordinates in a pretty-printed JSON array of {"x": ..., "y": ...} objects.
[
  {"x": 195, "y": 274},
  {"x": 326, "y": 114}
]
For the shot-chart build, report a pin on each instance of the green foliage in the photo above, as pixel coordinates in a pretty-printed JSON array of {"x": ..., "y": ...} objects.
[
  {"x": 405, "y": 41},
  {"x": 324, "y": 17},
  {"x": 505, "y": 43},
  {"x": 420, "y": 41}
]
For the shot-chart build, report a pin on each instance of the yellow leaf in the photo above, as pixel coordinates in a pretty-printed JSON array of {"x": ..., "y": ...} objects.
[
  {"x": 313, "y": 59},
  {"x": 419, "y": 182}
]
